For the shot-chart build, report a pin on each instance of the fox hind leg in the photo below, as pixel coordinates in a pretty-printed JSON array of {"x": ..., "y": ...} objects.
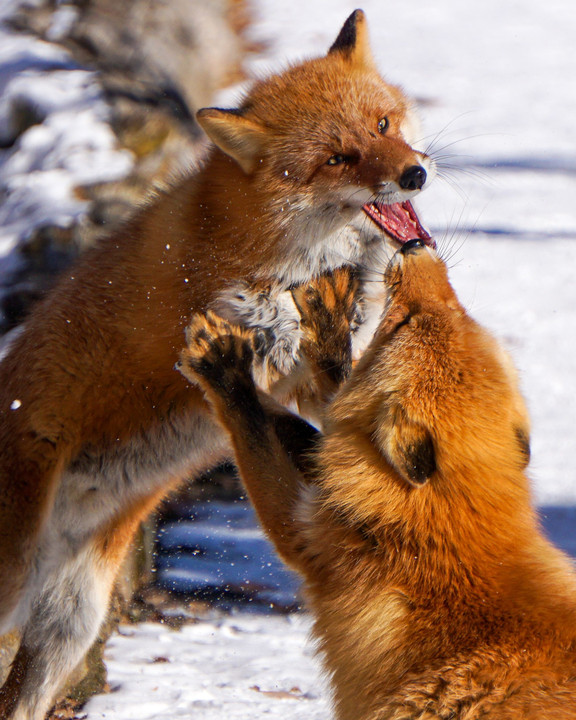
[{"x": 64, "y": 621}]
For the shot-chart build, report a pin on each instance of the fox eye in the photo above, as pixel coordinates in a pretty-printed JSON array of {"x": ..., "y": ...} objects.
[
  {"x": 336, "y": 160},
  {"x": 383, "y": 125}
]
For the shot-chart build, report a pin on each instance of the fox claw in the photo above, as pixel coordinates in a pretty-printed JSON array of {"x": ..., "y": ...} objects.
[{"x": 214, "y": 348}]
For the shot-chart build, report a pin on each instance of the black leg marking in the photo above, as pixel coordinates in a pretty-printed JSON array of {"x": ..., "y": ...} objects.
[{"x": 299, "y": 439}]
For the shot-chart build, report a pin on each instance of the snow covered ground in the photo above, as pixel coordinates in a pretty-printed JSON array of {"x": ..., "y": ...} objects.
[
  {"x": 228, "y": 668},
  {"x": 496, "y": 82}
]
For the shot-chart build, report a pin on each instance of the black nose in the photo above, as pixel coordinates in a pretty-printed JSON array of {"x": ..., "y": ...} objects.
[
  {"x": 413, "y": 178},
  {"x": 411, "y": 246}
]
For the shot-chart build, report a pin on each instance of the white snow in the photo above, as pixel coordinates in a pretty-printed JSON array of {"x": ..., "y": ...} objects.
[
  {"x": 71, "y": 146},
  {"x": 238, "y": 667},
  {"x": 497, "y": 86}
]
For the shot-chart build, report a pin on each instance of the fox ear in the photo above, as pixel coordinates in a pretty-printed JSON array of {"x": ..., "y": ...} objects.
[
  {"x": 523, "y": 440},
  {"x": 406, "y": 445},
  {"x": 353, "y": 41},
  {"x": 234, "y": 134}
]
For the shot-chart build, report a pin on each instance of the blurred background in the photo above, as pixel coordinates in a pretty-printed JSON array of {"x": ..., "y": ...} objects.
[{"x": 97, "y": 103}]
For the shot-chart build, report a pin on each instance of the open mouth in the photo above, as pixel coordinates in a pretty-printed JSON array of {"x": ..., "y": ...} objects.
[{"x": 399, "y": 221}]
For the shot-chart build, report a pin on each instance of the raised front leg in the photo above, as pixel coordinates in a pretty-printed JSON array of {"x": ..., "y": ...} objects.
[
  {"x": 328, "y": 310},
  {"x": 272, "y": 446},
  {"x": 302, "y": 337}
]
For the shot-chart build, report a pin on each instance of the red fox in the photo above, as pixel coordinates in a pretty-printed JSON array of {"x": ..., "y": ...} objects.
[
  {"x": 312, "y": 172},
  {"x": 434, "y": 592}
]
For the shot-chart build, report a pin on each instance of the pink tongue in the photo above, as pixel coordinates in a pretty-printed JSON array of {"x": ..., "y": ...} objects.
[{"x": 400, "y": 221}]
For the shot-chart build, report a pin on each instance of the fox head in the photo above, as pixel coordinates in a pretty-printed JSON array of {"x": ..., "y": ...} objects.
[
  {"x": 443, "y": 394},
  {"x": 325, "y": 139}
]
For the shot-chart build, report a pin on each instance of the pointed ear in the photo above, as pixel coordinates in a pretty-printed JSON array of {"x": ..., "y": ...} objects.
[
  {"x": 238, "y": 137},
  {"x": 406, "y": 445},
  {"x": 353, "y": 41}
]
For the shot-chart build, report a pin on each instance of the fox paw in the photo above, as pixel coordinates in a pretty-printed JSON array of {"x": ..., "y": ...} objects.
[
  {"x": 328, "y": 307},
  {"x": 328, "y": 304},
  {"x": 216, "y": 352}
]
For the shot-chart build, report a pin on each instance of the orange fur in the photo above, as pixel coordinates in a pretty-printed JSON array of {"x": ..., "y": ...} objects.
[
  {"x": 434, "y": 592},
  {"x": 95, "y": 424}
]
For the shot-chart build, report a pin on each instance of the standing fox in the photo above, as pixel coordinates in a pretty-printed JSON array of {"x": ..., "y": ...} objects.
[
  {"x": 310, "y": 173},
  {"x": 435, "y": 594}
]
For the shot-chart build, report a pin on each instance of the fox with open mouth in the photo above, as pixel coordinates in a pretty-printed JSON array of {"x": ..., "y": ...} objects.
[{"x": 314, "y": 171}]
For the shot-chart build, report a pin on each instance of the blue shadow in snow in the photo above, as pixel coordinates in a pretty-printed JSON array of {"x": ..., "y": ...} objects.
[
  {"x": 220, "y": 554},
  {"x": 559, "y": 523}
]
